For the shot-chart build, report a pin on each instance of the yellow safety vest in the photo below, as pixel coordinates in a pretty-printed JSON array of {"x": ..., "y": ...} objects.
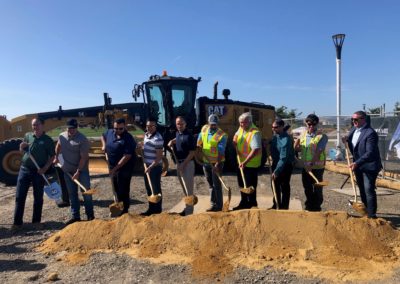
[
  {"x": 244, "y": 149},
  {"x": 307, "y": 152},
  {"x": 210, "y": 147}
]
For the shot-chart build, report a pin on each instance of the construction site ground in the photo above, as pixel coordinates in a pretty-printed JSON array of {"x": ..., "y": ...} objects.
[{"x": 248, "y": 246}]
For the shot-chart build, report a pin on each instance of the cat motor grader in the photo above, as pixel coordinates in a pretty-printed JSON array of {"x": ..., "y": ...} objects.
[{"x": 164, "y": 98}]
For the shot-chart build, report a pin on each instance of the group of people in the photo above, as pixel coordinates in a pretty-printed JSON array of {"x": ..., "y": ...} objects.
[{"x": 72, "y": 153}]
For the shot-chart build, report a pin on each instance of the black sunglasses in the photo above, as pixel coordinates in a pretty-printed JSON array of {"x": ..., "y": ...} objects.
[
  {"x": 118, "y": 128},
  {"x": 357, "y": 119},
  {"x": 275, "y": 127},
  {"x": 311, "y": 123}
]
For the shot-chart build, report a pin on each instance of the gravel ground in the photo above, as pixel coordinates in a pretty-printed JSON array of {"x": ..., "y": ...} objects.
[{"x": 20, "y": 263}]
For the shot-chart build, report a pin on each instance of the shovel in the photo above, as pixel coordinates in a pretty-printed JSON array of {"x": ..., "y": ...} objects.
[
  {"x": 116, "y": 207},
  {"x": 317, "y": 182},
  {"x": 190, "y": 200},
  {"x": 247, "y": 190},
  {"x": 225, "y": 207},
  {"x": 52, "y": 190},
  {"x": 152, "y": 198},
  {"x": 272, "y": 184},
  {"x": 85, "y": 191},
  {"x": 358, "y": 206}
]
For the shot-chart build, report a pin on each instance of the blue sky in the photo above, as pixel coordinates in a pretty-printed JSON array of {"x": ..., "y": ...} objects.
[{"x": 277, "y": 52}]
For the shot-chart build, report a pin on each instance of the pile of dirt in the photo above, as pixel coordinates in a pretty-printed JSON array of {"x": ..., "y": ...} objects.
[{"x": 330, "y": 245}]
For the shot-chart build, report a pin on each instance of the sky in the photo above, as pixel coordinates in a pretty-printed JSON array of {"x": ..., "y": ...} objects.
[{"x": 278, "y": 52}]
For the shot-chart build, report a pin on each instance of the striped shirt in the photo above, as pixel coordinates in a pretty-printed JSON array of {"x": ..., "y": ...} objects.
[{"x": 150, "y": 144}]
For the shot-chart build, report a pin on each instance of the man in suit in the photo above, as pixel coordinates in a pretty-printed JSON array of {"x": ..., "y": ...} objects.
[{"x": 363, "y": 144}]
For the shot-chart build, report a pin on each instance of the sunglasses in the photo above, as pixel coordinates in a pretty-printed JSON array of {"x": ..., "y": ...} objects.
[
  {"x": 118, "y": 128},
  {"x": 275, "y": 127},
  {"x": 150, "y": 125},
  {"x": 356, "y": 119},
  {"x": 311, "y": 124}
]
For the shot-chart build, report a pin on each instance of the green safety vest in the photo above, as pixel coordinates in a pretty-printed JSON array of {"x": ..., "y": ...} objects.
[
  {"x": 210, "y": 147},
  {"x": 244, "y": 149},
  {"x": 307, "y": 152}
]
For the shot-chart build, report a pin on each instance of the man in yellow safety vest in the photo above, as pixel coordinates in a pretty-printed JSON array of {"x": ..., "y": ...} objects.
[
  {"x": 247, "y": 141},
  {"x": 212, "y": 142}
]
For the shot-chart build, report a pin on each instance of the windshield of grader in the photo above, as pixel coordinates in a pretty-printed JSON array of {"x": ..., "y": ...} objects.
[{"x": 182, "y": 100}]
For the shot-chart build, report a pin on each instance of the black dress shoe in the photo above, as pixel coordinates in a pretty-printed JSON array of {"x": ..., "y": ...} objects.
[
  {"x": 240, "y": 207},
  {"x": 63, "y": 204},
  {"x": 182, "y": 213},
  {"x": 146, "y": 213},
  {"x": 72, "y": 220}
]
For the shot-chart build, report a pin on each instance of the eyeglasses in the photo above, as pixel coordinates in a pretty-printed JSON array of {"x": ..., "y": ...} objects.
[
  {"x": 356, "y": 119},
  {"x": 275, "y": 127},
  {"x": 118, "y": 128},
  {"x": 71, "y": 127},
  {"x": 310, "y": 124},
  {"x": 150, "y": 125}
]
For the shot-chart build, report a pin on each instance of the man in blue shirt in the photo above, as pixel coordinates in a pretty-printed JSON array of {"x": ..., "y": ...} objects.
[
  {"x": 282, "y": 153},
  {"x": 119, "y": 146}
]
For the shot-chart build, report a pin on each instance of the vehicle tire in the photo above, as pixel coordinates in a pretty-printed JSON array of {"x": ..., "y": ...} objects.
[{"x": 10, "y": 161}]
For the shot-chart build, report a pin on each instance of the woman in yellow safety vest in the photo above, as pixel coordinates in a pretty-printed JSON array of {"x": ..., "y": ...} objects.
[
  {"x": 247, "y": 141},
  {"x": 312, "y": 145}
]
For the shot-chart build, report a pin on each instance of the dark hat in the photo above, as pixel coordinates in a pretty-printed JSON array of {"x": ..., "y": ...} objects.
[
  {"x": 312, "y": 118},
  {"x": 72, "y": 123}
]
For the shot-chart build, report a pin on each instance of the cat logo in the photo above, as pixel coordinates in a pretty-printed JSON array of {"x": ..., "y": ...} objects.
[{"x": 217, "y": 110}]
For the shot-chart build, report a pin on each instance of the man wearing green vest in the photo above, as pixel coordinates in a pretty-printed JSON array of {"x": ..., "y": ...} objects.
[
  {"x": 212, "y": 141},
  {"x": 312, "y": 145},
  {"x": 247, "y": 141}
]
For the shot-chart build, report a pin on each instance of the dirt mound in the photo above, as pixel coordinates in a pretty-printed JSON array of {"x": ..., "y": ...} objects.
[{"x": 329, "y": 245}]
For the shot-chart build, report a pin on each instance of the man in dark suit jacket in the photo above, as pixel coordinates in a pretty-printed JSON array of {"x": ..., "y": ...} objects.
[{"x": 363, "y": 144}]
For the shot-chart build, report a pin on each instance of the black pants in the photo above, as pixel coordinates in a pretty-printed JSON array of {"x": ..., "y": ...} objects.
[
  {"x": 122, "y": 185},
  {"x": 282, "y": 187},
  {"x": 251, "y": 176},
  {"x": 314, "y": 196}
]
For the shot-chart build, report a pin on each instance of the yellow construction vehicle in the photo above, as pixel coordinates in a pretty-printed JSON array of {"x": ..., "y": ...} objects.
[{"x": 164, "y": 98}]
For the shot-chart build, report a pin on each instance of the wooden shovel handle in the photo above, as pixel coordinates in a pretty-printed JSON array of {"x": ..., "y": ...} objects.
[
  {"x": 241, "y": 171},
  {"x": 70, "y": 176},
  {"x": 350, "y": 170}
]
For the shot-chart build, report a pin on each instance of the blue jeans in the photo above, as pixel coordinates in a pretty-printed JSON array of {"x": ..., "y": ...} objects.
[
  {"x": 366, "y": 184},
  {"x": 25, "y": 178},
  {"x": 214, "y": 184},
  {"x": 72, "y": 187}
]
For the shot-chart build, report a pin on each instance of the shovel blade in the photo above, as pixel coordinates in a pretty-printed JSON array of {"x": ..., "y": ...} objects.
[
  {"x": 322, "y": 183},
  {"x": 191, "y": 200},
  {"x": 154, "y": 198},
  {"x": 53, "y": 191},
  {"x": 116, "y": 209},
  {"x": 90, "y": 191},
  {"x": 247, "y": 190},
  {"x": 359, "y": 207}
]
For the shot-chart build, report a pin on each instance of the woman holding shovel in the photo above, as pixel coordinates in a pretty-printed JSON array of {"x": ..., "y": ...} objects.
[
  {"x": 282, "y": 153},
  {"x": 247, "y": 141},
  {"x": 41, "y": 147},
  {"x": 184, "y": 146},
  {"x": 153, "y": 144},
  {"x": 312, "y": 145}
]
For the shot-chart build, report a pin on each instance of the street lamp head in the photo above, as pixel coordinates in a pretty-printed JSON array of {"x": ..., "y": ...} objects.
[{"x": 338, "y": 40}]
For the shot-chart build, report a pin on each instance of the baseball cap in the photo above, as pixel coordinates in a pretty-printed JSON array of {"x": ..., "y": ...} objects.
[
  {"x": 213, "y": 119},
  {"x": 72, "y": 123}
]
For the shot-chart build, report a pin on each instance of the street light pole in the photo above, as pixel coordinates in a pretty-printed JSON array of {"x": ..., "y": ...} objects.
[{"x": 338, "y": 40}]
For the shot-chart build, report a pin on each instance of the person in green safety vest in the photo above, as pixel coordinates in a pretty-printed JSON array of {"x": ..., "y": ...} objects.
[
  {"x": 312, "y": 145},
  {"x": 212, "y": 142},
  {"x": 247, "y": 141}
]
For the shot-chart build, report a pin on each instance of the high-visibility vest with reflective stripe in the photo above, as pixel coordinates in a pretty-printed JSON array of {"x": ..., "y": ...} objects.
[
  {"x": 210, "y": 147},
  {"x": 244, "y": 149},
  {"x": 307, "y": 152}
]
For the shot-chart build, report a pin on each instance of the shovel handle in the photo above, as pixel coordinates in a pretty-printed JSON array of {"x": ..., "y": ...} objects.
[
  {"x": 272, "y": 183},
  {"x": 222, "y": 181},
  {"x": 241, "y": 171},
  {"x": 38, "y": 168},
  {"x": 70, "y": 176},
  {"x": 313, "y": 176},
  {"x": 181, "y": 181},
  {"x": 350, "y": 170}
]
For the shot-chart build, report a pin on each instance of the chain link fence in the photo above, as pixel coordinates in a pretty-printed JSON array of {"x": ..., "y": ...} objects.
[{"x": 387, "y": 127}]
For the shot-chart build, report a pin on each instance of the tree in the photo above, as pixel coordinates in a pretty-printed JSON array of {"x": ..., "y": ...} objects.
[
  {"x": 375, "y": 110},
  {"x": 284, "y": 113},
  {"x": 397, "y": 108}
]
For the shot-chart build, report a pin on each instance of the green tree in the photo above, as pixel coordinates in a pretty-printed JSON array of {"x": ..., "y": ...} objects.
[
  {"x": 397, "y": 108},
  {"x": 284, "y": 113},
  {"x": 375, "y": 110}
]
